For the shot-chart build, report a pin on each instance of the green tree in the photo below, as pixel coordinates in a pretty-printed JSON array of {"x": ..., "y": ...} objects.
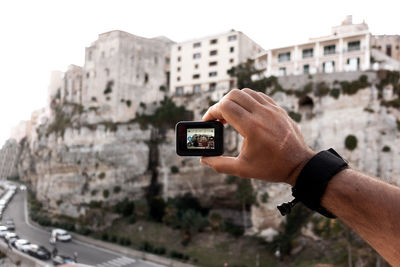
[{"x": 245, "y": 195}]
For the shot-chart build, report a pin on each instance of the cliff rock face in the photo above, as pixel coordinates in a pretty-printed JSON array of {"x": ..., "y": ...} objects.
[{"x": 88, "y": 159}]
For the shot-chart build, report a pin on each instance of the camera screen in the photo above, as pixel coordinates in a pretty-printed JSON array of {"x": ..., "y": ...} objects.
[{"x": 200, "y": 138}]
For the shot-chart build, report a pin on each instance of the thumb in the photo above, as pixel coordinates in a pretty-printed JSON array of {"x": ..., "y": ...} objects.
[{"x": 228, "y": 165}]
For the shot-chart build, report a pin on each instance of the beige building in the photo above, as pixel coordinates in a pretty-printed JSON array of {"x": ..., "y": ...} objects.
[
  {"x": 388, "y": 44},
  {"x": 347, "y": 48},
  {"x": 71, "y": 88},
  {"x": 202, "y": 64},
  {"x": 121, "y": 70}
]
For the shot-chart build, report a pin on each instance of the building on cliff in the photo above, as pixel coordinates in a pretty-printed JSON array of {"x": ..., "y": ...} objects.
[
  {"x": 8, "y": 159},
  {"x": 201, "y": 65},
  {"x": 347, "y": 48},
  {"x": 388, "y": 44},
  {"x": 71, "y": 86},
  {"x": 122, "y": 70}
]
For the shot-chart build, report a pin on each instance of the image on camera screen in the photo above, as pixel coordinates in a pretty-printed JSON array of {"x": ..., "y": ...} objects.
[{"x": 200, "y": 138}]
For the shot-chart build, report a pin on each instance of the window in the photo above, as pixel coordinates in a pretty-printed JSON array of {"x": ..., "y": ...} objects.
[
  {"x": 231, "y": 49},
  {"x": 212, "y": 74},
  {"x": 179, "y": 59},
  {"x": 196, "y": 66},
  {"x": 353, "y": 46},
  {"x": 283, "y": 57},
  {"x": 212, "y": 87},
  {"x": 328, "y": 67},
  {"x": 196, "y": 88},
  {"x": 179, "y": 48},
  {"x": 213, "y": 52},
  {"x": 306, "y": 69},
  {"x": 179, "y": 90},
  {"x": 329, "y": 50},
  {"x": 196, "y": 55},
  {"x": 213, "y": 41},
  {"x": 178, "y": 69},
  {"x": 196, "y": 45},
  {"x": 178, "y": 78},
  {"x": 308, "y": 53},
  {"x": 213, "y": 63},
  {"x": 282, "y": 71},
  {"x": 196, "y": 76},
  {"x": 231, "y": 38},
  {"x": 90, "y": 56},
  {"x": 389, "y": 50},
  {"x": 231, "y": 60}
]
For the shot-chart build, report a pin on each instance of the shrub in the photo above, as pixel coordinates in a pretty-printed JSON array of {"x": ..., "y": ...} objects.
[
  {"x": 142, "y": 105},
  {"x": 114, "y": 239},
  {"x": 146, "y": 246},
  {"x": 295, "y": 116},
  {"x": 163, "y": 88},
  {"x": 94, "y": 192},
  {"x": 128, "y": 103},
  {"x": 109, "y": 86},
  {"x": 264, "y": 197},
  {"x": 102, "y": 175},
  {"x": 231, "y": 179},
  {"x": 95, "y": 204},
  {"x": 335, "y": 93},
  {"x": 178, "y": 255},
  {"x": 386, "y": 149},
  {"x": 233, "y": 229},
  {"x": 106, "y": 193},
  {"x": 59, "y": 202},
  {"x": 125, "y": 207},
  {"x": 104, "y": 236},
  {"x": 117, "y": 189},
  {"x": 321, "y": 89},
  {"x": 174, "y": 169},
  {"x": 351, "y": 142}
]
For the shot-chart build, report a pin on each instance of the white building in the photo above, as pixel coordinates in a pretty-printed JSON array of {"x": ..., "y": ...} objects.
[
  {"x": 8, "y": 159},
  {"x": 347, "y": 48},
  {"x": 202, "y": 65}
]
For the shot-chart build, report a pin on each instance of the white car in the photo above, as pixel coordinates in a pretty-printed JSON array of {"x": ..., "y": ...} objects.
[
  {"x": 61, "y": 235},
  {"x": 10, "y": 235},
  {"x": 22, "y": 245},
  {"x": 3, "y": 230}
]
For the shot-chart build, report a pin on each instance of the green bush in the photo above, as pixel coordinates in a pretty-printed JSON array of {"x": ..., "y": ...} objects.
[
  {"x": 231, "y": 179},
  {"x": 178, "y": 255},
  {"x": 125, "y": 207},
  {"x": 264, "y": 197},
  {"x": 117, "y": 189},
  {"x": 335, "y": 93},
  {"x": 174, "y": 169},
  {"x": 109, "y": 86},
  {"x": 94, "y": 192},
  {"x": 102, "y": 175},
  {"x": 351, "y": 142},
  {"x": 386, "y": 149},
  {"x": 295, "y": 116},
  {"x": 128, "y": 103},
  {"x": 308, "y": 88},
  {"x": 233, "y": 229},
  {"x": 95, "y": 204},
  {"x": 106, "y": 193},
  {"x": 113, "y": 239},
  {"x": 163, "y": 88},
  {"x": 104, "y": 236},
  {"x": 322, "y": 89}
]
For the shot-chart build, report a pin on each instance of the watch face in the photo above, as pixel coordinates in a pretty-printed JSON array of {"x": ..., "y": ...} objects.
[{"x": 199, "y": 138}]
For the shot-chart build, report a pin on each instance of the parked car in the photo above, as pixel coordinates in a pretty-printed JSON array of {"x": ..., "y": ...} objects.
[
  {"x": 22, "y": 187},
  {"x": 3, "y": 231},
  {"x": 62, "y": 259},
  {"x": 39, "y": 252},
  {"x": 60, "y": 235},
  {"x": 12, "y": 240},
  {"x": 10, "y": 224},
  {"x": 22, "y": 245},
  {"x": 9, "y": 236}
]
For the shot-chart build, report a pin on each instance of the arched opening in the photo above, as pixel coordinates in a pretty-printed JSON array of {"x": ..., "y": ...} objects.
[{"x": 306, "y": 106}]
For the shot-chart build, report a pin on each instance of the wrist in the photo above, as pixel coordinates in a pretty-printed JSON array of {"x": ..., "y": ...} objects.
[{"x": 294, "y": 174}]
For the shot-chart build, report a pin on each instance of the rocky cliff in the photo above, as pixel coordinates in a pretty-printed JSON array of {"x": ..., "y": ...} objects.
[{"x": 77, "y": 158}]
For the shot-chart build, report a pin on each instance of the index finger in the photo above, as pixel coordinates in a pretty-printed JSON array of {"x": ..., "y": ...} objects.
[{"x": 231, "y": 112}]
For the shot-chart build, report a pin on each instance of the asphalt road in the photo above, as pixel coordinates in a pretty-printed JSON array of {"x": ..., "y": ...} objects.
[{"x": 87, "y": 253}]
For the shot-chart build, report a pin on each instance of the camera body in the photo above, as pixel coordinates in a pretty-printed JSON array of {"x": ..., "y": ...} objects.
[{"x": 199, "y": 138}]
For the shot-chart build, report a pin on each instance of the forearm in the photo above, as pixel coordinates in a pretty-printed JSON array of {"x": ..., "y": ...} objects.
[{"x": 370, "y": 207}]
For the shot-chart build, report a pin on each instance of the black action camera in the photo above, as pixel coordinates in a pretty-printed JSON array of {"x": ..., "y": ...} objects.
[{"x": 199, "y": 138}]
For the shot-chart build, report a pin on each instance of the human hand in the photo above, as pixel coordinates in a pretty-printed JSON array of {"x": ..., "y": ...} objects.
[{"x": 273, "y": 148}]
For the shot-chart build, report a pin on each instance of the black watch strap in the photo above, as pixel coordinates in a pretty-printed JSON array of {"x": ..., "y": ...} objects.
[{"x": 313, "y": 180}]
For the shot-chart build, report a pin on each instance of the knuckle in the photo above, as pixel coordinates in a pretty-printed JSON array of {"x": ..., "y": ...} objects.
[{"x": 233, "y": 93}]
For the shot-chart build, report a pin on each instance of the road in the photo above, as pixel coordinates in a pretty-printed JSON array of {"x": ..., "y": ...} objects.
[{"x": 87, "y": 253}]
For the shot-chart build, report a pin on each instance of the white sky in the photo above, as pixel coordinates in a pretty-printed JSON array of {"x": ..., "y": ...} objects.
[{"x": 40, "y": 36}]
